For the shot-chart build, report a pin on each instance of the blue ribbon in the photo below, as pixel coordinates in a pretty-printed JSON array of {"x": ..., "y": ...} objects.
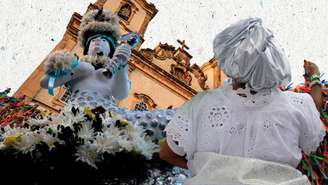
[
  {"x": 289, "y": 86},
  {"x": 58, "y": 73},
  {"x": 136, "y": 42}
]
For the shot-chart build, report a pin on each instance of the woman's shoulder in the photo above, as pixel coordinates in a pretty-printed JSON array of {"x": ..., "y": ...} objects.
[
  {"x": 208, "y": 94},
  {"x": 296, "y": 98},
  {"x": 298, "y": 101}
]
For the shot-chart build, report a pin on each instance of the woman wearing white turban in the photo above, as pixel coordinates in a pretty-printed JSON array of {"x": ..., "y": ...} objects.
[{"x": 247, "y": 132}]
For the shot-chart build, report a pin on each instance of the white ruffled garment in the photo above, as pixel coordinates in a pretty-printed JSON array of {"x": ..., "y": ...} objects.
[{"x": 270, "y": 126}]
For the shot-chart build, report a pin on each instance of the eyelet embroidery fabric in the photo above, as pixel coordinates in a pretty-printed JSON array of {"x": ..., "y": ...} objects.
[
  {"x": 218, "y": 116},
  {"x": 310, "y": 135},
  {"x": 221, "y": 121},
  {"x": 180, "y": 129}
]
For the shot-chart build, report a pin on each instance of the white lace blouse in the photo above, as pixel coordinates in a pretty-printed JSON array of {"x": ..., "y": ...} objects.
[{"x": 269, "y": 125}]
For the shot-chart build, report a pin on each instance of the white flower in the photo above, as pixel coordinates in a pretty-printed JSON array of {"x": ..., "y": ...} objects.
[
  {"x": 66, "y": 117},
  {"x": 27, "y": 142},
  {"x": 39, "y": 122},
  {"x": 107, "y": 120},
  {"x": 87, "y": 153},
  {"x": 12, "y": 131},
  {"x": 86, "y": 131},
  {"x": 128, "y": 138},
  {"x": 146, "y": 148},
  {"x": 106, "y": 143},
  {"x": 49, "y": 139}
]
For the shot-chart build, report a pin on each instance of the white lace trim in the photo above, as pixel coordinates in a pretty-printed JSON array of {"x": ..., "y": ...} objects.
[
  {"x": 312, "y": 146},
  {"x": 313, "y": 142},
  {"x": 179, "y": 129}
]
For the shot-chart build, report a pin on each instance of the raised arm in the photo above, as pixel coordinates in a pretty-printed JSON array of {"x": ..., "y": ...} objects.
[
  {"x": 118, "y": 69},
  {"x": 312, "y": 74},
  {"x": 64, "y": 60}
]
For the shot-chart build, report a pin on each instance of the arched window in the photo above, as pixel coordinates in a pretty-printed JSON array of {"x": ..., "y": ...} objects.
[
  {"x": 143, "y": 102},
  {"x": 125, "y": 12},
  {"x": 141, "y": 106},
  {"x": 65, "y": 94}
]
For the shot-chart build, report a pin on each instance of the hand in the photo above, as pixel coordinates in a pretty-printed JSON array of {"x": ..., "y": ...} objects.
[
  {"x": 310, "y": 69},
  {"x": 61, "y": 60},
  {"x": 130, "y": 38}
]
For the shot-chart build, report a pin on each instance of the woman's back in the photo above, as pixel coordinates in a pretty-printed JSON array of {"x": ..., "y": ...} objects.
[
  {"x": 270, "y": 125},
  {"x": 264, "y": 130}
]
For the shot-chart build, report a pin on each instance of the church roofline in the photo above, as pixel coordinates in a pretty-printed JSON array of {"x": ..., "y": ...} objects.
[
  {"x": 172, "y": 78},
  {"x": 210, "y": 63},
  {"x": 165, "y": 46},
  {"x": 151, "y": 6}
]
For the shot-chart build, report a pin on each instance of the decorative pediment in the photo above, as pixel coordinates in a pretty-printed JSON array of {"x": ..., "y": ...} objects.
[
  {"x": 201, "y": 77},
  {"x": 181, "y": 72},
  {"x": 147, "y": 53},
  {"x": 164, "y": 51},
  {"x": 181, "y": 55}
]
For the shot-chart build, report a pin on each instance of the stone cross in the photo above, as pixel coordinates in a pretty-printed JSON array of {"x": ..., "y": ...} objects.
[{"x": 183, "y": 44}]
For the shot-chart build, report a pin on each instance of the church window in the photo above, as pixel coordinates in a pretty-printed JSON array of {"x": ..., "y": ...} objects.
[
  {"x": 141, "y": 106},
  {"x": 125, "y": 12},
  {"x": 66, "y": 96}
]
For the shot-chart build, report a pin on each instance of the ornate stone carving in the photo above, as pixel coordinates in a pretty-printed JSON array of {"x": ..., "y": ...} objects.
[
  {"x": 164, "y": 51},
  {"x": 147, "y": 53},
  {"x": 201, "y": 77},
  {"x": 181, "y": 55},
  {"x": 146, "y": 99},
  {"x": 181, "y": 72},
  {"x": 73, "y": 27}
]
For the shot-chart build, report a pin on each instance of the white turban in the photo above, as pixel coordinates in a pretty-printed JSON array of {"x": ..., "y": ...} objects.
[{"x": 247, "y": 51}]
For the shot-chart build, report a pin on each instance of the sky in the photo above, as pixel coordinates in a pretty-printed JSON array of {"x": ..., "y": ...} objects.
[{"x": 30, "y": 29}]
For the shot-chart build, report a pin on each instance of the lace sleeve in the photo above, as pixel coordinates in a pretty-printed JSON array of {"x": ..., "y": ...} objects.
[
  {"x": 312, "y": 130},
  {"x": 181, "y": 131}
]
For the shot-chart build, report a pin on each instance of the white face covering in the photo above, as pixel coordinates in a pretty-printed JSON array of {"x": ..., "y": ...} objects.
[
  {"x": 98, "y": 46},
  {"x": 247, "y": 51}
]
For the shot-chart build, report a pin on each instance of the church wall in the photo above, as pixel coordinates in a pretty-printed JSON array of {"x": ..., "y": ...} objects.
[
  {"x": 162, "y": 95},
  {"x": 112, "y": 5},
  {"x": 194, "y": 84},
  {"x": 138, "y": 18},
  {"x": 210, "y": 72},
  {"x": 164, "y": 64}
]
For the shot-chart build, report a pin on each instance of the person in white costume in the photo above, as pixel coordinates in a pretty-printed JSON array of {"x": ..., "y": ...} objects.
[
  {"x": 247, "y": 132},
  {"x": 101, "y": 75}
]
